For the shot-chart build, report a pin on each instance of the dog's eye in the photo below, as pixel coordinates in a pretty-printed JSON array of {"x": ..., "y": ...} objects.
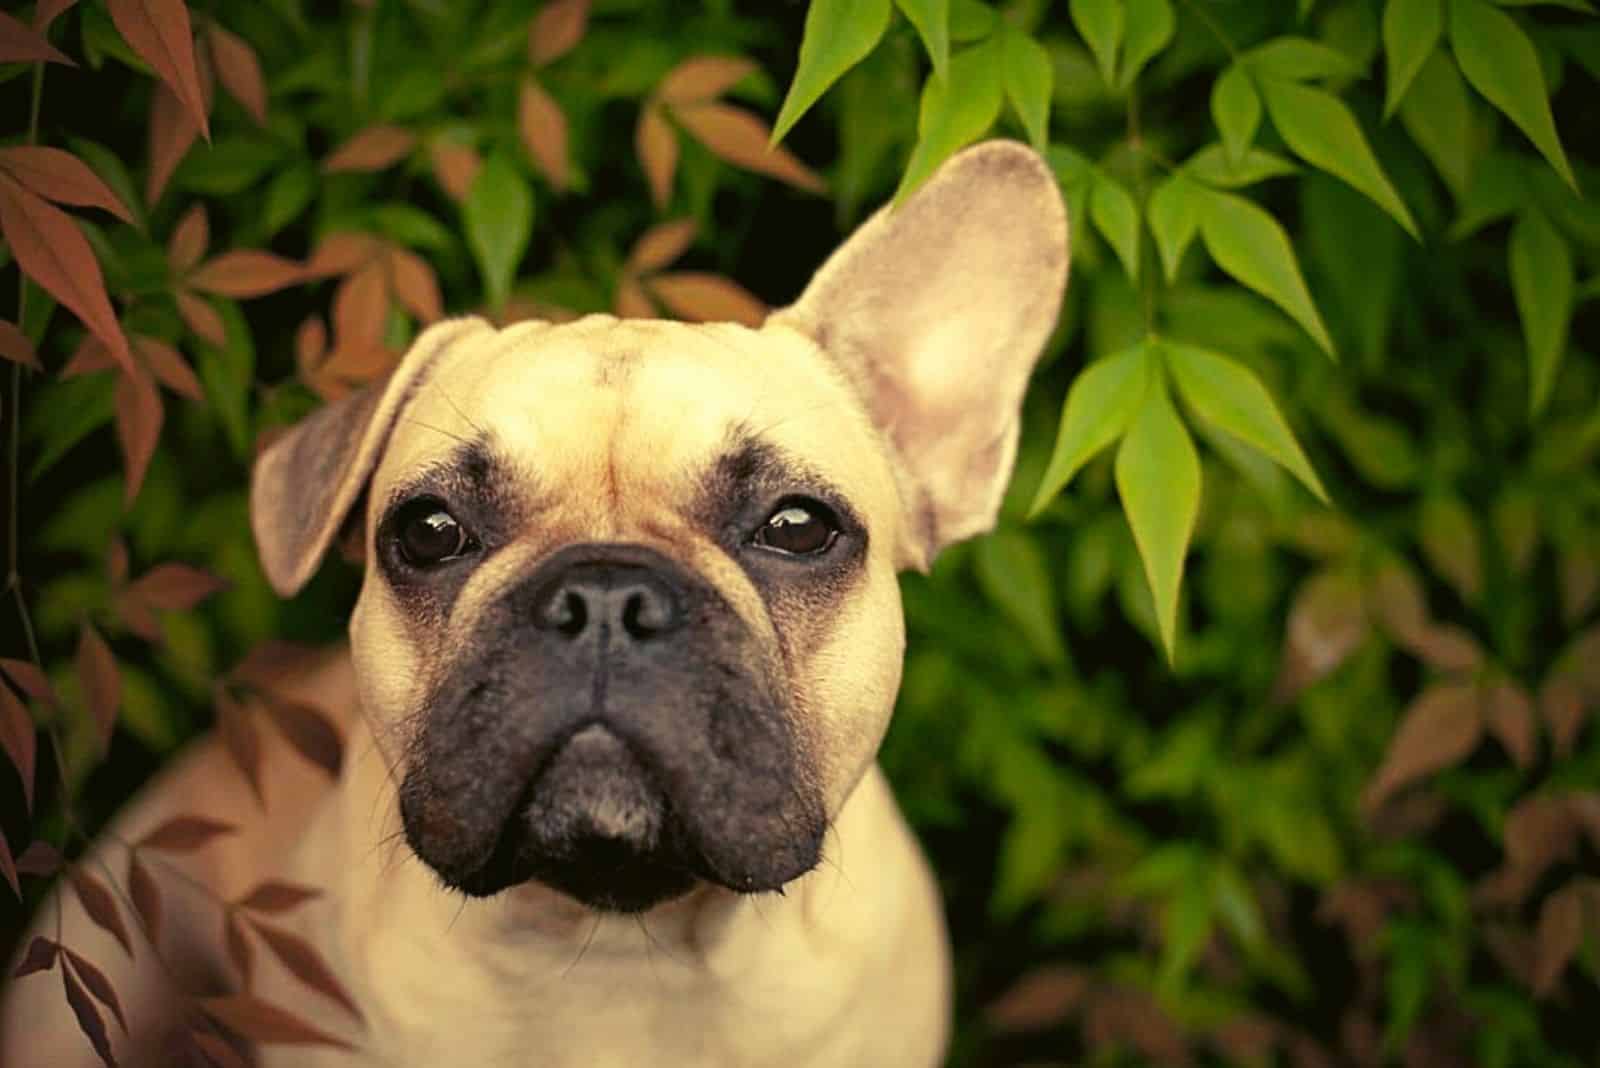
[
  {"x": 430, "y": 535},
  {"x": 798, "y": 528}
]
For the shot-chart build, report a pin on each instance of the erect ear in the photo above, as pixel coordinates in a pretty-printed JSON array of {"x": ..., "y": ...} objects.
[
  {"x": 937, "y": 310},
  {"x": 305, "y": 483}
]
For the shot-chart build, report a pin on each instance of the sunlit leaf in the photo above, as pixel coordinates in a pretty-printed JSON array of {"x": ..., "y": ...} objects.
[
  {"x": 743, "y": 140},
  {"x": 1410, "y": 30},
  {"x": 1212, "y": 166},
  {"x": 544, "y": 132},
  {"x": 1100, "y": 22},
  {"x": 932, "y": 20},
  {"x": 1029, "y": 80},
  {"x": 661, "y": 245},
  {"x": 707, "y": 298},
  {"x": 1299, "y": 59},
  {"x": 498, "y": 214},
  {"x": 838, "y": 35},
  {"x": 1236, "y": 109},
  {"x": 1099, "y": 406},
  {"x": 954, "y": 114},
  {"x": 657, "y": 148},
  {"x": 700, "y": 78},
  {"x": 1542, "y": 280},
  {"x": 1149, "y": 26},
  {"x": 1249, "y": 244},
  {"x": 1174, "y": 215},
  {"x": 1438, "y": 116},
  {"x": 1116, "y": 216}
]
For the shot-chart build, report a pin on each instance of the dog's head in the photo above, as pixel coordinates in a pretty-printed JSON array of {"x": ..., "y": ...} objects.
[{"x": 630, "y": 619}]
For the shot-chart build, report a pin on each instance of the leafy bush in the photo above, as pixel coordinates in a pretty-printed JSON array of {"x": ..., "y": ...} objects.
[{"x": 1352, "y": 819}]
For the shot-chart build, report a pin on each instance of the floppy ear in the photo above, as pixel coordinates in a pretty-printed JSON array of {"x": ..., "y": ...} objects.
[
  {"x": 937, "y": 311},
  {"x": 305, "y": 484}
]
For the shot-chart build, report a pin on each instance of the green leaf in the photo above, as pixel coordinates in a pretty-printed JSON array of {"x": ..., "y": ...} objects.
[
  {"x": 1229, "y": 395},
  {"x": 1299, "y": 59},
  {"x": 838, "y": 35},
  {"x": 1116, "y": 216},
  {"x": 63, "y": 414},
  {"x": 1236, "y": 109},
  {"x": 956, "y": 113},
  {"x": 1410, "y": 30},
  {"x": 971, "y": 20},
  {"x": 932, "y": 20},
  {"x": 1029, "y": 79},
  {"x": 288, "y": 194},
  {"x": 498, "y": 214},
  {"x": 1099, "y": 22},
  {"x": 1500, "y": 62},
  {"x": 1499, "y": 187},
  {"x": 1212, "y": 166},
  {"x": 1148, "y": 28},
  {"x": 1174, "y": 214},
  {"x": 228, "y": 374},
  {"x": 1320, "y": 129},
  {"x": 110, "y": 167},
  {"x": 1099, "y": 406},
  {"x": 1543, "y": 280},
  {"x": 1185, "y": 929},
  {"x": 1249, "y": 244},
  {"x": 1438, "y": 116},
  {"x": 1011, "y": 571},
  {"x": 1158, "y": 479}
]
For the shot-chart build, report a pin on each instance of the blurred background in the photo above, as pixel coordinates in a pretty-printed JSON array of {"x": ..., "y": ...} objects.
[{"x": 1272, "y": 750}]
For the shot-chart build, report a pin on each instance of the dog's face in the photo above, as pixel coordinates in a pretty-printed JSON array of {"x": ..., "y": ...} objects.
[{"x": 630, "y": 621}]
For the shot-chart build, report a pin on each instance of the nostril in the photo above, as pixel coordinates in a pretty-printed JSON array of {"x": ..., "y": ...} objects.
[
  {"x": 573, "y": 615},
  {"x": 645, "y": 616}
]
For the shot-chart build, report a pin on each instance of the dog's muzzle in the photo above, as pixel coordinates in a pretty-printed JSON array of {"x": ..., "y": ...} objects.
[{"x": 616, "y": 733}]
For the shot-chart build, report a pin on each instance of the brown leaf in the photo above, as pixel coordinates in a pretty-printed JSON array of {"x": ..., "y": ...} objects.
[
  {"x": 18, "y": 44},
  {"x": 700, "y": 78},
  {"x": 342, "y": 252},
  {"x": 1539, "y": 831},
  {"x": 100, "y": 682},
  {"x": 139, "y": 419},
  {"x": 171, "y": 134},
  {"x": 306, "y": 964},
  {"x": 40, "y": 859},
  {"x": 247, "y": 273},
  {"x": 1439, "y": 730},
  {"x": 660, "y": 245},
  {"x": 89, "y": 1021},
  {"x": 556, "y": 30},
  {"x": 415, "y": 285},
  {"x": 371, "y": 149},
  {"x": 1327, "y": 622},
  {"x": 1447, "y": 647},
  {"x": 169, "y": 367},
  {"x": 1397, "y": 602},
  {"x": 53, "y": 252},
  {"x": 46, "y": 11},
  {"x": 238, "y": 946},
  {"x": 268, "y": 664},
  {"x": 1563, "y": 709},
  {"x": 61, "y": 177},
  {"x": 189, "y": 239},
  {"x": 657, "y": 147},
  {"x": 707, "y": 298},
  {"x": 185, "y": 834},
  {"x": 238, "y": 70},
  {"x": 544, "y": 132},
  {"x": 177, "y": 587},
  {"x": 41, "y": 956},
  {"x": 16, "y": 346},
  {"x": 138, "y": 617},
  {"x": 361, "y": 308},
  {"x": 159, "y": 31},
  {"x": 743, "y": 140},
  {"x": 310, "y": 343},
  {"x": 1560, "y": 935},
  {"x": 28, "y": 678},
  {"x": 1510, "y": 718},
  {"x": 454, "y": 167},
  {"x": 1247, "y": 1038},
  {"x": 632, "y": 302},
  {"x": 90, "y": 357},
  {"x": 8, "y": 866},
  {"x": 146, "y": 895},
  {"x": 100, "y": 906},
  {"x": 309, "y": 731},
  {"x": 1039, "y": 1000},
  {"x": 98, "y": 985},
  {"x": 239, "y": 738},
  {"x": 217, "y": 1051},
  {"x": 19, "y": 740},
  {"x": 262, "y": 1022},
  {"x": 1136, "y": 1019},
  {"x": 117, "y": 562},
  {"x": 275, "y": 896}
]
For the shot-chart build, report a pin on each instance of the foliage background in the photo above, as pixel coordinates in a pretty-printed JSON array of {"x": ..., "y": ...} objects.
[{"x": 1351, "y": 819}]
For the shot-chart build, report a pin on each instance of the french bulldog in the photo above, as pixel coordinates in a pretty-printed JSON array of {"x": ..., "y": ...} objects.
[{"x": 627, "y": 642}]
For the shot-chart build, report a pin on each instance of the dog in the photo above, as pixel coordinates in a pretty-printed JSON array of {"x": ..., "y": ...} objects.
[{"x": 628, "y": 639}]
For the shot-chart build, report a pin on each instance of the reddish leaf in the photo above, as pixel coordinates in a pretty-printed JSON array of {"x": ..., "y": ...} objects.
[
  {"x": 171, "y": 134},
  {"x": 41, "y": 956},
  {"x": 247, "y": 273},
  {"x": 53, "y": 252},
  {"x": 117, "y": 562},
  {"x": 177, "y": 587},
  {"x": 16, "y": 347},
  {"x": 1539, "y": 830},
  {"x": 61, "y": 177},
  {"x": 1447, "y": 647},
  {"x": 239, "y": 737},
  {"x": 138, "y": 617},
  {"x": 98, "y": 985},
  {"x": 557, "y": 30},
  {"x": 169, "y": 367},
  {"x": 1560, "y": 935},
  {"x": 100, "y": 682},
  {"x": 139, "y": 418},
  {"x": 90, "y": 357},
  {"x": 657, "y": 147},
  {"x": 632, "y": 302},
  {"x": 1508, "y": 713},
  {"x": 544, "y": 132},
  {"x": 415, "y": 285},
  {"x": 1327, "y": 622},
  {"x": 89, "y": 1021},
  {"x": 372, "y": 149},
  {"x": 46, "y": 11},
  {"x": 310, "y": 343},
  {"x": 1563, "y": 709},
  {"x": 306, "y": 964},
  {"x": 159, "y": 31},
  {"x": 271, "y": 662},
  {"x": 700, "y": 78},
  {"x": 238, "y": 946},
  {"x": 100, "y": 906},
  {"x": 660, "y": 245},
  {"x": 275, "y": 896},
  {"x": 707, "y": 298},
  {"x": 28, "y": 678},
  {"x": 146, "y": 897},
  {"x": 202, "y": 318},
  {"x": 259, "y": 1021},
  {"x": 18, "y": 739},
  {"x": 361, "y": 308},
  {"x": 309, "y": 731},
  {"x": 8, "y": 867},
  {"x": 1039, "y": 1000},
  {"x": 189, "y": 239},
  {"x": 1439, "y": 730},
  {"x": 342, "y": 252},
  {"x": 185, "y": 834},
  {"x": 40, "y": 859},
  {"x": 744, "y": 141},
  {"x": 18, "y": 44},
  {"x": 455, "y": 167},
  {"x": 216, "y": 1050},
  {"x": 238, "y": 70}
]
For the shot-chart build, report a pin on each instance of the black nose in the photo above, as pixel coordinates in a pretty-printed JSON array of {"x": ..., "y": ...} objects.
[{"x": 609, "y": 599}]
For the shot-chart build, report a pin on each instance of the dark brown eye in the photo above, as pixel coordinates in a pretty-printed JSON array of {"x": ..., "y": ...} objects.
[
  {"x": 429, "y": 535},
  {"x": 798, "y": 528}
]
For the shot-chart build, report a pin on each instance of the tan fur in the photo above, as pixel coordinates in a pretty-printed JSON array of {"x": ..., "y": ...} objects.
[{"x": 898, "y": 376}]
